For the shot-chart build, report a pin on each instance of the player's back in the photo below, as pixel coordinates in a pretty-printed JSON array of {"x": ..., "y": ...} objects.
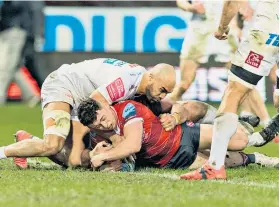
[
  {"x": 84, "y": 77},
  {"x": 158, "y": 145}
]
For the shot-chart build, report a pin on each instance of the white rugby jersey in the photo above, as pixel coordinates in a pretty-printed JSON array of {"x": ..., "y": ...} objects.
[{"x": 116, "y": 80}]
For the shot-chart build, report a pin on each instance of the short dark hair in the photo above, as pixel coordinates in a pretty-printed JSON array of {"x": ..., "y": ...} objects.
[
  {"x": 87, "y": 111},
  {"x": 155, "y": 107}
]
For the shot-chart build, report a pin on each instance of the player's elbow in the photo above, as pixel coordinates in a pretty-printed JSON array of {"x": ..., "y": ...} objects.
[{"x": 135, "y": 149}]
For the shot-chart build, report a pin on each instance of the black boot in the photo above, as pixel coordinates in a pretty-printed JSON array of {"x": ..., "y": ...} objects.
[
  {"x": 252, "y": 120},
  {"x": 271, "y": 130}
]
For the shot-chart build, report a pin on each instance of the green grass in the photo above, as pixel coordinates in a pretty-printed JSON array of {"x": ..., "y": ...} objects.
[{"x": 52, "y": 186}]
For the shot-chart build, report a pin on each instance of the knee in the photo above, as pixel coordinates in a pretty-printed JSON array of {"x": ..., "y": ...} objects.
[
  {"x": 242, "y": 140},
  {"x": 53, "y": 144}
]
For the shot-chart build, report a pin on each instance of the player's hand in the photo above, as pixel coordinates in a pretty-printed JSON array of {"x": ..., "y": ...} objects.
[
  {"x": 97, "y": 160},
  {"x": 247, "y": 12},
  {"x": 222, "y": 33},
  {"x": 168, "y": 121},
  {"x": 100, "y": 148},
  {"x": 198, "y": 8}
]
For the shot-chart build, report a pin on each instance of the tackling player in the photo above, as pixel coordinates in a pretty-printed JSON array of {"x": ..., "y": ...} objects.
[{"x": 106, "y": 80}]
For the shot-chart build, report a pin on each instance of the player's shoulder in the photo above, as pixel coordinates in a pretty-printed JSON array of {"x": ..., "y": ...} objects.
[
  {"x": 129, "y": 107},
  {"x": 129, "y": 104}
]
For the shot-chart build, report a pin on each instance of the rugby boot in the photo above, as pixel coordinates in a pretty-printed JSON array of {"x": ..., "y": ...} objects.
[
  {"x": 271, "y": 131},
  {"x": 206, "y": 172},
  {"x": 20, "y": 135},
  {"x": 266, "y": 161},
  {"x": 252, "y": 120}
]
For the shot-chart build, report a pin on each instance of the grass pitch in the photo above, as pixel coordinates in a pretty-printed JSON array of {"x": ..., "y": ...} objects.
[{"x": 51, "y": 186}]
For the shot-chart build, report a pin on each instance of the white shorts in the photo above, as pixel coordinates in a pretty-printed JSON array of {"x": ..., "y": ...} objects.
[
  {"x": 259, "y": 50},
  {"x": 200, "y": 41},
  {"x": 256, "y": 53},
  {"x": 54, "y": 89}
]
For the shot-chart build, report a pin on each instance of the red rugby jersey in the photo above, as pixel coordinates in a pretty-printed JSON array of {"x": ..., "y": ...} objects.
[{"x": 158, "y": 145}]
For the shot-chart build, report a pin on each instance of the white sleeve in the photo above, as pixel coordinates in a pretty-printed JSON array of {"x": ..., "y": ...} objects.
[{"x": 118, "y": 89}]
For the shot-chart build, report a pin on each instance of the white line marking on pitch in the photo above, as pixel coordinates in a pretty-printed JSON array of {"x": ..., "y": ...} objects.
[{"x": 244, "y": 183}]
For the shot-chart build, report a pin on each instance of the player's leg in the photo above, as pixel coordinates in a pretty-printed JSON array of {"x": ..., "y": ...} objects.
[
  {"x": 238, "y": 159},
  {"x": 12, "y": 41},
  {"x": 238, "y": 142},
  {"x": 192, "y": 48},
  {"x": 56, "y": 102},
  {"x": 257, "y": 106},
  {"x": 78, "y": 145},
  {"x": 62, "y": 157},
  {"x": 252, "y": 61},
  {"x": 243, "y": 137},
  {"x": 56, "y": 118}
]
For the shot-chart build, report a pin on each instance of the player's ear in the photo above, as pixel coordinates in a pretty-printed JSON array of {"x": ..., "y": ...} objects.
[{"x": 151, "y": 78}]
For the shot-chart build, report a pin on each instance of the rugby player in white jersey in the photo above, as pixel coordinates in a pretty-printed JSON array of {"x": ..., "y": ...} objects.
[
  {"x": 199, "y": 37},
  {"x": 255, "y": 57},
  {"x": 106, "y": 80}
]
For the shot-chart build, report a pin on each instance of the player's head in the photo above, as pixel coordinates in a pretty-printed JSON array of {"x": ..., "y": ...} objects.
[
  {"x": 93, "y": 115},
  {"x": 155, "y": 107},
  {"x": 160, "y": 81}
]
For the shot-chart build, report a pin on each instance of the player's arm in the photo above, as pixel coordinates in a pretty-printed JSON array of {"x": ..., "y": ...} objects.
[
  {"x": 118, "y": 89},
  {"x": 177, "y": 116},
  {"x": 187, "y": 6},
  {"x": 183, "y": 111},
  {"x": 229, "y": 11},
  {"x": 96, "y": 95},
  {"x": 133, "y": 133},
  {"x": 78, "y": 146}
]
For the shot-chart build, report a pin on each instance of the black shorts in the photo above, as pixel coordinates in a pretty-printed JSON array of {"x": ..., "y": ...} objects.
[
  {"x": 245, "y": 75},
  {"x": 188, "y": 148}
]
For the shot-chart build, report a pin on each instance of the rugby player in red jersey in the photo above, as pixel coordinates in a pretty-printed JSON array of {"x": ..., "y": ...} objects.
[{"x": 145, "y": 135}]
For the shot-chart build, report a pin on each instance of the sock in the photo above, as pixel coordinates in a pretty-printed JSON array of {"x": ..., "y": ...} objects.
[
  {"x": 247, "y": 158},
  {"x": 225, "y": 126},
  {"x": 34, "y": 137},
  {"x": 2, "y": 153},
  {"x": 255, "y": 139},
  {"x": 252, "y": 158}
]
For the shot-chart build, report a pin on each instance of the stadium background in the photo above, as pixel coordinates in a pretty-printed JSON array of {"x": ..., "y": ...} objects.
[
  {"x": 143, "y": 32},
  {"x": 153, "y": 32}
]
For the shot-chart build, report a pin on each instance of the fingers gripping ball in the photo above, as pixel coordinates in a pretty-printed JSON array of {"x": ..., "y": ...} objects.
[{"x": 61, "y": 125}]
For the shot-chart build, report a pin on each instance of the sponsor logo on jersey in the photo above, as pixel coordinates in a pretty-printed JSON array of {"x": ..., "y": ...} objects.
[
  {"x": 129, "y": 111},
  {"x": 254, "y": 59},
  {"x": 116, "y": 90}
]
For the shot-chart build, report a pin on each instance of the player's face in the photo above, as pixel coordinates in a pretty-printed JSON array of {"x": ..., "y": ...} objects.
[
  {"x": 156, "y": 92},
  {"x": 106, "y": 119}
]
